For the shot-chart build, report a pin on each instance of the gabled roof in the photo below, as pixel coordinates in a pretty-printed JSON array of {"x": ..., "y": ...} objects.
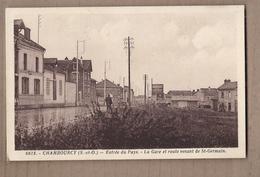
[
  {"x": 29, "y": 43},
  {"x": 228, "y": 86},
  {"x": 180, "y": 93},
  {"x": 109, "y": 84}
]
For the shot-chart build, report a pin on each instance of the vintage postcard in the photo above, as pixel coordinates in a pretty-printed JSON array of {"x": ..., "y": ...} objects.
[{"x": 99, "y": 83}]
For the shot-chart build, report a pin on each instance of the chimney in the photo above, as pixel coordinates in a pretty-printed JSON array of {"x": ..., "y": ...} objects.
[
  {"x": 27, "y": 34},
  {"x": 227, "y": 80}
]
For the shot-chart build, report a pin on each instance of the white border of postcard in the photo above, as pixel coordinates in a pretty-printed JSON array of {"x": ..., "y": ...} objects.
[{"x": 194, "y": 153}]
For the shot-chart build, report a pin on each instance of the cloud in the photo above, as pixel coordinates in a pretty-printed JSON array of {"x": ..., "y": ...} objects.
[{"x": 214, "y": 37}]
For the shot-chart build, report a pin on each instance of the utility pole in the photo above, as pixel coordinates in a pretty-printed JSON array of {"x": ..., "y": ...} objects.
[
  {"x": 39, "y": 25},
  {"x": 77, "y": 74},
  {"x": 145, "y": 78},
  {"x": 128, "y": 45},
  {"x": 77, "y": 71},
  {"x": 105, "y": 86},
  {"x": 124, "y": 88}
]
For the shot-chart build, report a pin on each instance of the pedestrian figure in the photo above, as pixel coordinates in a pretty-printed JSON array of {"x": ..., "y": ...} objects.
[{"x": 109, "y": 103}]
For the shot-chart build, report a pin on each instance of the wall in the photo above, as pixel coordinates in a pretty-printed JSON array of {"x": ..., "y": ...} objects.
[
  {"x": 31, "y": 98},
  {"x": 228, "y": 99},
  {"x": 48, "y": 98},
  {"x": 70, "y": 94}
]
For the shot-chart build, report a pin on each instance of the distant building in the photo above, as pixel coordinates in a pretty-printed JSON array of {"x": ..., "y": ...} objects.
[
  {"x": 181, "y": 99},
  {"x": 115, "y": 91},
  {"x": 171, "y": 93},
  {"x": 157, "y": 92},
  {"x": 227, "y": 96},
  {"x": 28, "y": 68},
  {"x": 184, "y": 101},
  {"x": 208, "y": 98},
  {"x": 85, "y": 82}
]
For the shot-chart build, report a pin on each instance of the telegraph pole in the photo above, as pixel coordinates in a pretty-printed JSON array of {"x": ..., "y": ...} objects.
[
  {"x": 77, "y": 74},
  {"x": 124, "y": 88},
  {"x": 128, "y": 45},
  {"x": 77, "y": 71},
  {"x": 105, "y": 86},
  {"x": 145, "y": 78},
  {"x": 39, "y": 25}
]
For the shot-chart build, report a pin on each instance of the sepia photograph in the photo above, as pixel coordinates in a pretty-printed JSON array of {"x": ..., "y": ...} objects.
[{"x": 125, "y": 83}]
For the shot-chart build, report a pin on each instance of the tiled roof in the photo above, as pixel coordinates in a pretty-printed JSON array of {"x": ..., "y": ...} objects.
[
  {"x": 228, "y": 86},
  {"x": 180, "y": 93}
]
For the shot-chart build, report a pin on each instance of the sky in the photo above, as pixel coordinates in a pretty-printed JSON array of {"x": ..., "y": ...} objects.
[{"x": 184, "y": 48}]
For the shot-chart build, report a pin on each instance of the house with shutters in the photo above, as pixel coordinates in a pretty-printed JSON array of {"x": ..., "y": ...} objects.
[
  {"x": 227, "y": 96},
  {"x": 28, "y": 59},
  {"x": 86, "y": 85}
]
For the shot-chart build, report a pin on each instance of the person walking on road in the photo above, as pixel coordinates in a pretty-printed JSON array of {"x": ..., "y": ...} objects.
[{"x": 109, "y": 103}]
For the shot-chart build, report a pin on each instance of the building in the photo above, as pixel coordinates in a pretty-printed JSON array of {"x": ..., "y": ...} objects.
[
  {"x": 157, "y": 92},
  {"x": 188, "y": 101},
  {"x": 171, "y": 93},
  {"x": 28, "y": 68},
  {"x": 181, "y": 99},
  {"x": 208, "y": 98},
  {"x": 227, "y": 96},
  {"x": 85, "y": 82},
  {"x": 54, "y": 86},
  {"x": 115, "y": 91}
]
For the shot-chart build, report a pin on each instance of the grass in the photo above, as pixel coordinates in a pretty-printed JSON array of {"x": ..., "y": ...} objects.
[{"x": 147, "y": 126}]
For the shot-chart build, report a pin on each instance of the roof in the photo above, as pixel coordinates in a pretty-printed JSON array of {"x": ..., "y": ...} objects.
[
  {"x": 109, "y": 84},
  {"x": 51, "y": 68},
  {"x": 209, "y": 91},
  {"x": 228, "y": 86},
  {"x": 50, "y": 60},
  {"x": 28, "y": 42},
  {"x": 180, "y": 93},
  {"x": 64, "y": 64}
]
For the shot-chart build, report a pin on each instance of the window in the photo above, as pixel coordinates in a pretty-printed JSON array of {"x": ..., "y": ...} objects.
[
  {"x": 222, "y": 94},
  {"x": 60, "y": 87},
  {"x": 229, "y": 94},
  {"x": 37, "y": 64},
  {"x": 229, "y": 106},
  {"x": 74, "y": 66},
  {"x": 48, "y": 86},
  {"x": 37, "y": 86},
  {"x": 24, "y": 61},
  {"x": 25, "y": 85}
]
